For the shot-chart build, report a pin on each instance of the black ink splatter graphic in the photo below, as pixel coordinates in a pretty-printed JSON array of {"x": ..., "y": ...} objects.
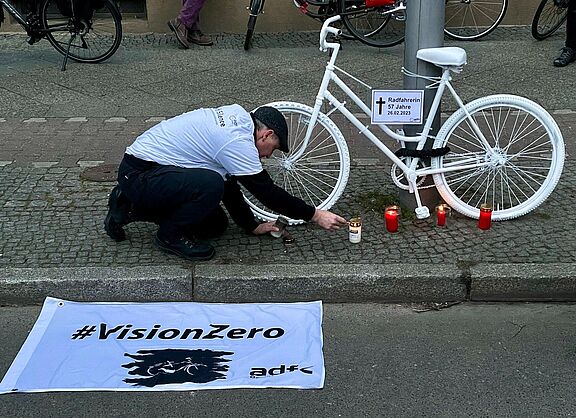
[{"x": 163, "y": 367}]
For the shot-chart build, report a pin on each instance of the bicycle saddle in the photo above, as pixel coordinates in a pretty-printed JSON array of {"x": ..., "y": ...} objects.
[{"x": 449, "y": 56}]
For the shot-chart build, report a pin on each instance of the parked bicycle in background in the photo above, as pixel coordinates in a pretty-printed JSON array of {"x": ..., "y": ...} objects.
[
  {"x": 380, "y": 23},
  {"x": 374, "y": 22},
  {"x": 87, "y": 31},
  {"x": 549, "y": 16}
]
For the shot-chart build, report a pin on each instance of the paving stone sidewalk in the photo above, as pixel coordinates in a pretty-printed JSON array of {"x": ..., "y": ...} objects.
[{"x": 56, "y": 125}]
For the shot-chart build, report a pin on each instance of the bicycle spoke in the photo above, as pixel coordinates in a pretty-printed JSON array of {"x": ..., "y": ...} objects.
[
  {"x": 311, "y": 181},
  {"x": 319, "y": 174},
  {"x": 375, "y": 26},
  {"x": 474, "y": 18},
  {"x": 516, "y": 173},
  {"x": 547, "y": 19},
  {"x": 94, "y": 38}
]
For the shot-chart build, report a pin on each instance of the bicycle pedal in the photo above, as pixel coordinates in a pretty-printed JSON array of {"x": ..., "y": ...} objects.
[
  {"x": 33, "y": 39},
  {"x": 422, "y": 212}
]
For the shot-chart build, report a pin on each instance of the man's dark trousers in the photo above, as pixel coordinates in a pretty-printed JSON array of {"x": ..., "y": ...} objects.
[{"x": 182, "y": 201}]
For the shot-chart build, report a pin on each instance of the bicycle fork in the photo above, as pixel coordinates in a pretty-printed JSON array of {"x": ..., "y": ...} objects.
[{"x": 256, "y": 7}]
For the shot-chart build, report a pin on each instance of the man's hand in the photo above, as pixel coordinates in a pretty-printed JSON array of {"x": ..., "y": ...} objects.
[
  {"x": 265, "y": 228},
  {"x": 328, "y": 220}
]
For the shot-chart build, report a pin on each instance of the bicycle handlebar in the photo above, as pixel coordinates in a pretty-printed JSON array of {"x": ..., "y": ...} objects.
[{"x": 326, "y": 29}]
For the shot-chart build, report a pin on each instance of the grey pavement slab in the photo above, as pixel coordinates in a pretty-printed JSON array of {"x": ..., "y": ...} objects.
[
  {"x": 473, "y": 360},
  {"x": 54, "y": 124}
]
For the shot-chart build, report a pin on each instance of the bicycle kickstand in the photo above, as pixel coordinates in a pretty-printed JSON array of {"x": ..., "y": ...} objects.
[{"x": 67, "y": 52}]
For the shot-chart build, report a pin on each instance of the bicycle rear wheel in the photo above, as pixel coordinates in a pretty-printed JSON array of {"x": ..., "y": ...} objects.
[
  {"x": 524, "y": 163},
  {"x": 320, "y": 175},
  {"x": 373, "y": 26},
  {"x": 468, "y": 20},
  {"x": 91, "y": 40},
  {"x": 548, "y": 18}
]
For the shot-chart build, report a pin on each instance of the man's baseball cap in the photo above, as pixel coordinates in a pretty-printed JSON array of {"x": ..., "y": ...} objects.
[{"x": 272, "y": 118}]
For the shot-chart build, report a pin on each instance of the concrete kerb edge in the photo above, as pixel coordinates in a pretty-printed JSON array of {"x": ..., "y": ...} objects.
[
  {"x": 523, "y": 282},
  {"x": 330, "y": 283},
  {"x": 385, "y": 283},
  {"x": 145, "y": 284}
]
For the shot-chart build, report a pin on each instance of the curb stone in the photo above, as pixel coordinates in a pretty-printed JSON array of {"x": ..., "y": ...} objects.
[
  {"x": 350, "y": 283},
  {"x": 331, "y": 283},
  {"x": 139, "y": 284},
  {"x": 523, "y": 282}
]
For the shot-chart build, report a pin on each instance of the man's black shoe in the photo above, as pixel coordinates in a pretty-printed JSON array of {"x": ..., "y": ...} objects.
[
  {"x": 566, "y": 57},
  {"x": 117, "y": 216},
  {"x": 186, "y": 248}
]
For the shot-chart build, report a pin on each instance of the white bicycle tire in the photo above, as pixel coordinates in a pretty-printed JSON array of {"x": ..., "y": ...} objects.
[
  {"x": 291, "y": 176},
  {"x": 498, "y": 116}
]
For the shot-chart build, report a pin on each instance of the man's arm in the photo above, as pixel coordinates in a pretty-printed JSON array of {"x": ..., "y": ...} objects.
[
  {"x": 275, "y": 198},
  {"x": 237, "y": 207}
]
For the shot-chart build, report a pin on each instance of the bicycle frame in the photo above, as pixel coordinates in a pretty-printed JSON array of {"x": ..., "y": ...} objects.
[
  {"x": 302, "y": 5},
  {"x": 410, "y": 170},
  {"x": 14, "y": 13}
]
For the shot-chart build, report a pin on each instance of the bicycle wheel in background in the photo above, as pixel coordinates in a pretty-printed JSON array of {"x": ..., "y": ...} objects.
[
  {"x": 320, "y": 175},
  {"x": 255, "y": 9},
  {"x": 548, "y": 18},
  {"x": 321, "y": 12},
  {"x": 373, "y": 25},
  {"x": 467, "y": 20},
  {"x": 95, "y": 38},
  {"x": 523, "y": 169}
]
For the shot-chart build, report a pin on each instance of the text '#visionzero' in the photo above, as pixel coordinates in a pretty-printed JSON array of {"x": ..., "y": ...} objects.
[{"x": 217, "y": 331}]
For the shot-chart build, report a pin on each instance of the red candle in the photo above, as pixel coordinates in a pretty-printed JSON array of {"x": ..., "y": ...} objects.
[
  {"x": 391, "y": 216},
  {"x": 485, "y": 218},
  {"x": 379, "y": 3},
  {"x": 441, "y": 215}
]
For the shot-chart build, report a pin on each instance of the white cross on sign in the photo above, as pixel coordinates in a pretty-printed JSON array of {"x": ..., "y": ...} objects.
[{"x": 393, "y": 107}]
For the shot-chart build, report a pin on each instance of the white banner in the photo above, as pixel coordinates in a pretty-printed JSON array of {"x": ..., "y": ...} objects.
[{"x": 170, "y": 346}]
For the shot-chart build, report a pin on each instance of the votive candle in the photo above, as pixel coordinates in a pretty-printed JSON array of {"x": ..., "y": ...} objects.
[
  {"x": 441, "y": 215},
  {"x": 355, "y": 230},
  {"x": 391, "y": 217},
  {"x": 485, "y": 218}
]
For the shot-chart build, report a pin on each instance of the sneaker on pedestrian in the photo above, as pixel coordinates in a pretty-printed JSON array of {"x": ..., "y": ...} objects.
[
  {"x": 566, "y": 57},
  {"x": 180, "y": 31},
  {"x": 198, "y": 38},
  {"x": 186, "y": 248},
  {"x": 118, "y": 215}
]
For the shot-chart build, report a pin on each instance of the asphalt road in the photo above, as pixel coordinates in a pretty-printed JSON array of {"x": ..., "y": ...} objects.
[{"x": 473, "y": 360}]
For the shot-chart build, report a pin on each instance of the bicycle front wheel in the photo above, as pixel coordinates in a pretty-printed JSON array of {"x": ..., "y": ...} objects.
[
  {"x": 319, "y": 175},
  {"x": 468, "y": 20},
  {"x": 255, "y": 9},
  {"x": 548, "y": 18},
  {"x": 91, "y": 40},
  {"x": 374, "y": 26},
  {"x": 249, "y": 32},
  {"x": 516, "y": 173}
]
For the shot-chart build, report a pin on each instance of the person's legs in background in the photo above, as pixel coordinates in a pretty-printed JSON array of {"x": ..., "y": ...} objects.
[
  {"x": 190, "y": 15},
  {"x": 186, "y": 25},
  {"x": 568, "y": 53}
]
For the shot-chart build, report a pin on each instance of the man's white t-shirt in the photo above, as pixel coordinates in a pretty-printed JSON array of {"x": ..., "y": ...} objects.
[{"x": 219, "y": 139}]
